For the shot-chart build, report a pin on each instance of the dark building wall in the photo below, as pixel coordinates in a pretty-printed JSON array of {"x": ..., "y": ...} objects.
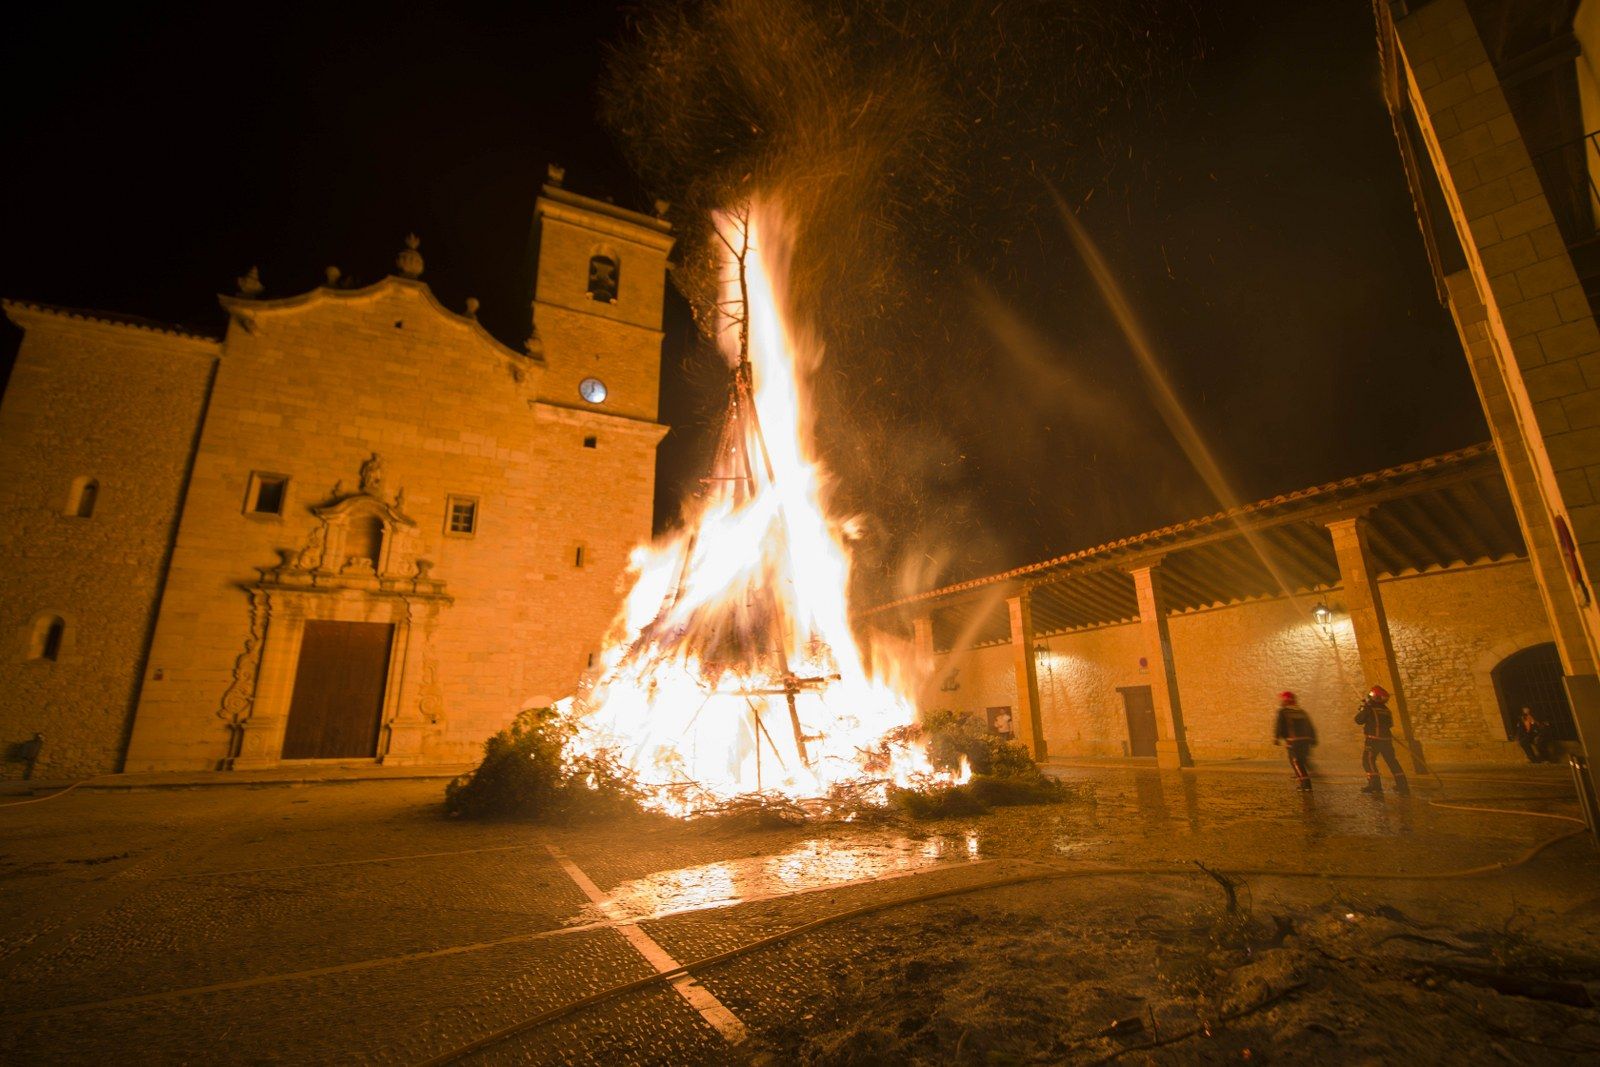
[{"x": 119, "y": 405}]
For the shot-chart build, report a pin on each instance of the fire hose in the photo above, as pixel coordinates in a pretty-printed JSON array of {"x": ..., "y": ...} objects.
[
  {"x": 1049, "y": 873},
  {"x": 57, "y": 793}
]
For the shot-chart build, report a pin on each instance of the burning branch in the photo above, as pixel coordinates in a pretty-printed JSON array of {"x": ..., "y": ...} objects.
[{"x": 747, "y": 604}]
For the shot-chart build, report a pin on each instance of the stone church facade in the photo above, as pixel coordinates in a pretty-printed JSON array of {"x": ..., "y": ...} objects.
[{"x": 355, "y": 527}]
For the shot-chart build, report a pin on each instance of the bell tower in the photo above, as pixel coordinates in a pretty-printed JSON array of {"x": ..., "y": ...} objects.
[{"x": 598, "y": 289}]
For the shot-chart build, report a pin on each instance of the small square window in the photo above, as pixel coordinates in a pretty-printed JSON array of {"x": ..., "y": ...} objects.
[
  {"x": 267, "y": 494},
  {"x": 591, "y": 442},
  {"x": 461, "y": 516}
]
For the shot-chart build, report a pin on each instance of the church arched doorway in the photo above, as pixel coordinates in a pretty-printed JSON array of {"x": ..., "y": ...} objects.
[{"x": 1531, "y": 678}]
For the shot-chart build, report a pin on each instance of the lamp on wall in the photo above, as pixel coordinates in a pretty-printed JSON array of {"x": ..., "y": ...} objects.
[{"x": 1323, "y": 617}]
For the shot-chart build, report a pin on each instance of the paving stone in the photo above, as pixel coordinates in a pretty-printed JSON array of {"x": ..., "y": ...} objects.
[{"x": 423, "y": 934}]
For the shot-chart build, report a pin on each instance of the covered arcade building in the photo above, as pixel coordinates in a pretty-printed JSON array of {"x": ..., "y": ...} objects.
[{"x": 1172, "y": 645}]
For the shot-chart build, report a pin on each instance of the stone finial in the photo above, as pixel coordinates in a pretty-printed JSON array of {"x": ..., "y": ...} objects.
[
  {"x": 556, "y": 174},
  {"x": 250, "y": 285},
  {"x": 410, "y": 260},
  {"x": 332, "y": 274},
  {"x": 662, "y": 207},
  {"x": 472, "y": 307}
]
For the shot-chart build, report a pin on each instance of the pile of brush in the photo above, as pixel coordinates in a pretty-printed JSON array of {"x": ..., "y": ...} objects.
[{"x": 1003, "y": 773}]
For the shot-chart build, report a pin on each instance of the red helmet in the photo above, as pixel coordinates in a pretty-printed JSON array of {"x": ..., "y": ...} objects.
[
  {"x": 1378, "y": 693},
  {"x": 1286, "y": 697}
]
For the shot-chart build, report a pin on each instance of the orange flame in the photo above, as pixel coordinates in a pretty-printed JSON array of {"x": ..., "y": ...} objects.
[{"x": 732, "y": 668}]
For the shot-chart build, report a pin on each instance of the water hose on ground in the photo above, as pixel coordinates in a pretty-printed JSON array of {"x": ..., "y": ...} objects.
[{"x": 57, "y": 793}]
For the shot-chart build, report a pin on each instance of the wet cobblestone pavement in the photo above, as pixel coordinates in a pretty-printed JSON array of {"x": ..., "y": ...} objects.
[{"x": 352, "y": 923}]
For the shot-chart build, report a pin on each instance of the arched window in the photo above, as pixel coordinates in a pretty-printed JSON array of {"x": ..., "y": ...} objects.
[
  {"x": 81, "y": 501},
  {"x": 605, "y": 274},
  {"x": 1532, "y": 678},
  {"x": 44, "y": 642}
]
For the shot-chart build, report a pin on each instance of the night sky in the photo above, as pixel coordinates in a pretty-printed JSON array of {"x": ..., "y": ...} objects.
[{"x": 1268, "y": 242}]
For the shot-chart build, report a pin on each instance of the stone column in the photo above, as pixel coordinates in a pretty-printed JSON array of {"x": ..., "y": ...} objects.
[
  {"x": 1358, "y": 575},
  {"x": 922, "y": 655},
  {"x": 1025, "y": 716},
  {"x": 260, "y": 743},
  {"x": 1172, "y": 743},
  {"x": 400, "y": 742}
]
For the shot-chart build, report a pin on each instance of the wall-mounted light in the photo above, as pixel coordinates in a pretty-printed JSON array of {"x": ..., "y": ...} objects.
[{"x": 1323, "y": 618}]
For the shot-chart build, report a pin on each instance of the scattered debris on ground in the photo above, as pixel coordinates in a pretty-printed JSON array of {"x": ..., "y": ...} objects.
[{"x": 1033, "y": 978}]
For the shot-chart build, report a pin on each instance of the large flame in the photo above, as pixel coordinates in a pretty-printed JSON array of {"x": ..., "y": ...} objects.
[{"x": 732, "y": 668}]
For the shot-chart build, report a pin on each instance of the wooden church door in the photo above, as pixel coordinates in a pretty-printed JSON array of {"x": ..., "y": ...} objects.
[{"x": 337, "y": 704}]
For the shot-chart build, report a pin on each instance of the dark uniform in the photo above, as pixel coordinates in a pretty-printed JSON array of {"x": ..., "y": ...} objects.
[
  {"x": 1377, "y": 722},
  {"x": 1294, "y": 729},
  {"x": 1534, "y": 737}
]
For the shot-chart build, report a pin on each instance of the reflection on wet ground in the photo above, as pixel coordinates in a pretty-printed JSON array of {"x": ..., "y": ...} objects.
[
  {"x": 1250, "y": 818},
  {"x": 1166, "y": 802},
  {"x": 819, "y": 863},
  {"x": 117, "y": 896},
  {"x": 1119, "y": 815}
]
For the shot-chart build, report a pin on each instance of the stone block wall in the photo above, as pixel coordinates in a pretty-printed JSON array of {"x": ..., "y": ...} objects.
[
  {"x": 581, "y": 344},
  {"x": 1450, "y": 629},
  {"x": 309, "y": 388},
  {"x": 1079, "y": 674},
  {"x": 1233, "y": 662},
  {"x": 1539, "y": 322},
  {"x": 184, "y": 605},
  {"x": 985, "y": 678},
  {"x": 618, "y": 342},
  {"x": 120, "y": 405}
]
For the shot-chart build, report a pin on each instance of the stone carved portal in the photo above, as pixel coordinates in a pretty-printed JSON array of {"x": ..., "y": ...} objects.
[{"x": 358, "y": 564}]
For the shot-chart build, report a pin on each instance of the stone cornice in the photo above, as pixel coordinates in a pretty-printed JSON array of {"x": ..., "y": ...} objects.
[
  {"x": 588, "y": 418},
  {"x": 545, "y": 305},
  {"x": 28, "y": 315},
  {"x": 247, "y": 308},
  {"x": 604, "y": 218}
]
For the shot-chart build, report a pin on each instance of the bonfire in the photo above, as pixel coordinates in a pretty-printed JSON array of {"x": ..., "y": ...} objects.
[{"x": 733, "y": 669}]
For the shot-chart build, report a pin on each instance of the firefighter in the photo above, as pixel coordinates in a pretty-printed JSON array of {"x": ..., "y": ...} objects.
[
  {"x": 1377, "y": 722},
  {"x": 1295, "y": 732}
]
